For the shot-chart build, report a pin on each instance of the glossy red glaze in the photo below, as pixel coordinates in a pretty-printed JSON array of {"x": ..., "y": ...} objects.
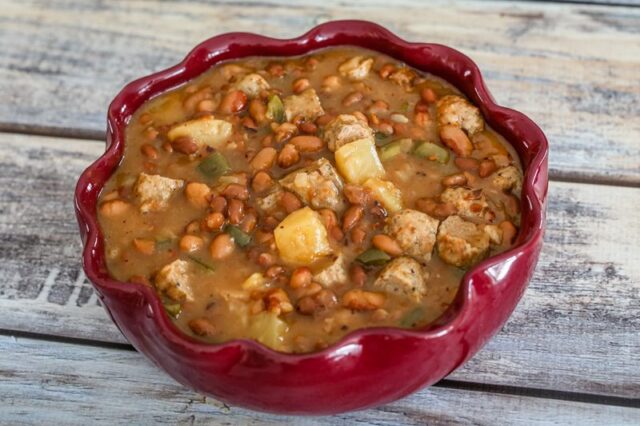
[{"x": 368, "y": 367}]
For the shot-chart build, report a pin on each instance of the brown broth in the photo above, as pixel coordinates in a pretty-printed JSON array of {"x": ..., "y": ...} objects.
[{"x": 218, "y": 296}]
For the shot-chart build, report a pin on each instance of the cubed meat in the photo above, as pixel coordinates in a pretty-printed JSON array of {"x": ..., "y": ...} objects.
[
  {"x": 306, "y": 105},
  {"x": 456, "y": 111},
  {"x": 203, "y": 131},
  {"x": 173, "y": 280},
  {"x": 404, "y": 277},
  {"x": 335, "y": 273},
  {"x": 317, "y": 185},
  {"x": 470, "y": 204},
  {"x": 343, "y": 129},
  {"x": 508, "y": 179},
  {"x": 462, "y": 243},
  {"x": 356, "y": 68},
  {"x": 252, "y": 85},
  {"x": 154, "y": 191},
  {"x": 415, "y": 232}
]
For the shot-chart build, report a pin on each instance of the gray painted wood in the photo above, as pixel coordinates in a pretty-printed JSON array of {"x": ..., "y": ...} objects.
[
  {"x": 572, "y": 68},
  {"x": 63, "y": 383},
  {"x": 576, "y": 329}
]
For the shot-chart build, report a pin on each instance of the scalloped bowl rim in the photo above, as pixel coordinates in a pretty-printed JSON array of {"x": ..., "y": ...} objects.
[{"x": 145, "y": 87}]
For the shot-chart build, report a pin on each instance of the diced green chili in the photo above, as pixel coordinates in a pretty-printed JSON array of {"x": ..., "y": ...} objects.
[
  {"x": 275, "y": 109},
  {"x": 173, "y": 309},
  {"x": 240, "y": 237},
  {"x": 214, "y": 166},
  {"x": 412, "y": 318},
  {"x": 399, "y": 146},
  {"x": 202, "y": 263},
  {"x": 433, "y": 152},
  {"x": 382, "y": 139},
  {"x": 373, "y": 257}
]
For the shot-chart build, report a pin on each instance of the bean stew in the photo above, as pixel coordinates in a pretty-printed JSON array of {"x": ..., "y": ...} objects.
[{"x": 294, "y": 200}]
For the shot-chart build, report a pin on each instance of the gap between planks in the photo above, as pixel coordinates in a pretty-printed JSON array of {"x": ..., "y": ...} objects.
[
  {"x": 444, "y": 383},
  {"x": 93, "y": 136}
]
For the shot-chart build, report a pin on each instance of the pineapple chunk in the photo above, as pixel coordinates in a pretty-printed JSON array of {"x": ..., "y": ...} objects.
[
  {"x": 203, "y": 131},
  {"x": 255, "y": 281},
  {"x": 269, "y": 330},
  {"x": 358, "y": 161},
  {"x": 301, "y": 237},
  {"x": 386, "y": 193}
]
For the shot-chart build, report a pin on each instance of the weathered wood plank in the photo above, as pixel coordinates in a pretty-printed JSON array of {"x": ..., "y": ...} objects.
[
  {"x": 576, "y": 329},
  {"x": 572, "y": 68},
  {"x": 62, "y": 383}
]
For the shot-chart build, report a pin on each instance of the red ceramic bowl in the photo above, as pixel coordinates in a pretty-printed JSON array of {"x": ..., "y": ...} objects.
[{"x": 370, "y": 366}]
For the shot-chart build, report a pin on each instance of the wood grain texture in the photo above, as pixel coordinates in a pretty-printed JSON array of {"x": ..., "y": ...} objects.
[
  {"x": 62, "y": 383},
  {"x": 572, "y": 68},
  {"x": 574, "y": 331}
]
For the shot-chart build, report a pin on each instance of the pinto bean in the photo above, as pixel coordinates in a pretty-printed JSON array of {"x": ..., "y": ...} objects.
[
  {"x": 351, "y": 217},
  {"x": 457, "y": 140},
  {"x": 467, "y": 164},
  {"x": 144, "y": 246},
  {"x": 290, "y": 202},
  {"x": 249, "y": 222},
  {"x": 274, "y": 271},
  {"x": 266, "y": 259},
  {"x": 198, "y": 194},
  {"x": 261, "y": 182},
  {"x": 336, "y": 233},
  {"x": 386, "y": 244},
  {"x": 301, "y": 277},
  {"x": 324, "y": 119},
  {"x": 330, "y": 83},
  {"x": 300, "y": 85},
  {"x": 264, "y": 159},
  {"x": 356, "y": 194},
  {"x": 288, "y": 156},
  {"x": 258, "y": 111},
  {"x": 221, "y": 247},
  {"x": 234, "y": 101},
  {"x": 235, "y": 191},
  {"x": 184, "y": 145},
  {"x": 214, "y": 221},
  {"x": 428, "y": 95},
  {"x": 149, "y": 151},
  {"x": 219, "y": 204},
  {"x": 202, "y": 327},
  {"x": 328, "y": 218},
  {"x": 308, "y": 128},
  {"x": 458, "y": 179},
  {"x": 360, "y": 300},
  {"x": 386, "y": 70},
  {"x": 113, "y": 208},
  {"x": 358, "y": 275},
  {"x": 236, "y": 211},
  {"x": 486, "y": 168},
  {"x": 192, "y": 227},
  {"x": 352, "y": 98},
  {"x": 307, "y": 143},
  {"x": 509, "y": 232},
  {"x": 358, "y": 235},
  {"x": 191, "y": 243}
]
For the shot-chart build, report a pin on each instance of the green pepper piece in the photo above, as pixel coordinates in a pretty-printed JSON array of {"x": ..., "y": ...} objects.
[
  {"x": 275, "y": 109},
  {"x": 173, "y": 309},
  {"x": 202, "y": 263},
  {"x": 382, "y": 139},
  {"x": 399, "y": 146},
  {"x": 214, "y": 166},
  {"x": 411, "y": 319},
  {"x": 373, "y": 257},
  {"x": 240, "y": 237},
  {"x": 433, "y": 152}
]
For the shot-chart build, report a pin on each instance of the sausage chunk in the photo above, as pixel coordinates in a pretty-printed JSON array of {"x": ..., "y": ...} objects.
[
  {"x": 456, "y": 111},
  {"x": 343, "y": 129},
  {"x": 403, "y": 276},
  {"x": 154, "y": 191},
  {"x": 317, "y": 185},
  {"x": 335, "y": 273},
  {"x": 252, "y": 84},
  {"x": 462, "y": 243},
  {"x": 173, "y": 279},
  {"x": 306, "y": 105},
  {"x": 415, "y": 232},
  {"x": 508, "y": 179},
  {"x": 470, "y": 204}
]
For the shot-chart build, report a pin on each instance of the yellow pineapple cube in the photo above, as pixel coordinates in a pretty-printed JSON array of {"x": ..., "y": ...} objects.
[
  {"x": 203, "y": 131},
  {"x": 358, "y": 161},
  {"x": 386, "y": 193},
  {"x": 269, "y": 330},
  {"x": 301, "y": 237}
]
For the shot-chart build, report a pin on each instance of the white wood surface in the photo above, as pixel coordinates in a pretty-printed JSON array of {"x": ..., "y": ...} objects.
[
  {"x": 568, "y": 355},
  {"x": 581, "y": 307},
  {"x": 65, "y": 383},
  {"x": 572, "y": 68}
]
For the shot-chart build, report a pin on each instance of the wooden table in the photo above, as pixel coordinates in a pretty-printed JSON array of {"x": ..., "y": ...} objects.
[{"x": 569, "y": 354}]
